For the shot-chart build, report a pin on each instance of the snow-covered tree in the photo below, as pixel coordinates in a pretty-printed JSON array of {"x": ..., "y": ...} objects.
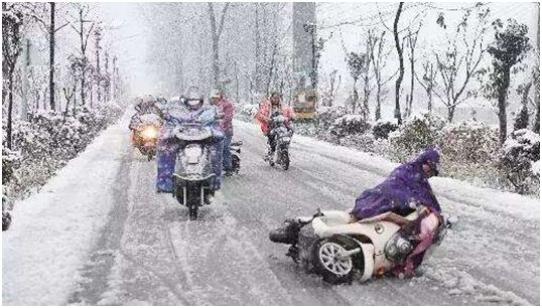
[{"x": 508, "y": 49}]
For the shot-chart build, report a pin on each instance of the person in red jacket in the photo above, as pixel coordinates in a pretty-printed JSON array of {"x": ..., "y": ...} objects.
[
  {"x": 227, "y": 111},
  {"x": 267, "y": 109}
]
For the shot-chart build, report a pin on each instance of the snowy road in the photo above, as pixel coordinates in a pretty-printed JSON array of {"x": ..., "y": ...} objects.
[{"x": 146, "y": 251}]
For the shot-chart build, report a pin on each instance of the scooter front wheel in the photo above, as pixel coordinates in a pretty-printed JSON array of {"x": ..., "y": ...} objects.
[{"x": 331, "y": 261}]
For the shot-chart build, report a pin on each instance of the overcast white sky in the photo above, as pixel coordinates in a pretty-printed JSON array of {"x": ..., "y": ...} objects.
[{"x": 131, "y": 30}]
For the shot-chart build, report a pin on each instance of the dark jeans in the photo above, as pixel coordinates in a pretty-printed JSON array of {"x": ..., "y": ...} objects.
[
  {"x": 272, "y": 141},
  {"x": 226, "y": 153}
]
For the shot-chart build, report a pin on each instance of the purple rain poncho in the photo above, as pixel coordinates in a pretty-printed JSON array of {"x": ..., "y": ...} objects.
[{"x": 405, "y": 184}]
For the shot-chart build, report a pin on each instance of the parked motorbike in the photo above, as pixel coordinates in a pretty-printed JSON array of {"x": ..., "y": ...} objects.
[
  {"x": 330, "y": 246},
  {"x": 283, "y": 137},
  {"x": 235, "y": 150},
  {"x": 193, "y": 177}
]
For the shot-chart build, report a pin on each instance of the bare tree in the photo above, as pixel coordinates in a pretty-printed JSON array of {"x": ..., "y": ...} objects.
[
  {"x": 356, "y": 64},
  {"x": 412, "y": 39},
  {"x": 460, "y": 62},
  {"x": 52, "y": 31},
  {"x": 12, "y": 23},
  {"x": 401, "y": 65},
  {"x": 427, "y": 82},
  {"x": 83, "y": 18},
  {"x": 216, "y": 32},
  {"x": 330, "y": 92},
  {"x": 379, "y": 59}
]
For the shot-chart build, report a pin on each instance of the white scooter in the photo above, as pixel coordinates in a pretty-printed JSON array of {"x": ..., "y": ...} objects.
[{"x": 333, "y": 247}]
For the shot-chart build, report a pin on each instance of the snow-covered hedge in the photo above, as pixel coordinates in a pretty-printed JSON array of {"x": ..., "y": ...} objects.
[
  {"x": 326, "y": 116},
  {"x": 382, "y": 128},
  {"x": 350, "y": 124},
  {"x": 520, "y": 152},
  {"x": 469, "y": 152},
  {"x": 418, "y": 133},
  {"x": 247, "y": 111},
  {"x": 470, "y": 142},
  {"x": 49, "y": 139},
  {"x": 10, "y": 161}
]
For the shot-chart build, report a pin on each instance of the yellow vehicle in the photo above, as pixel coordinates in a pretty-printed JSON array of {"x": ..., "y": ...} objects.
[{"x": 304, "y": 105}]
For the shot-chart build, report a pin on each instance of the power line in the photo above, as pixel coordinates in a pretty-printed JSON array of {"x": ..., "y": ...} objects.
[
  {"x": 358, "y": 22},
  {"x": 430, "y": 5}
]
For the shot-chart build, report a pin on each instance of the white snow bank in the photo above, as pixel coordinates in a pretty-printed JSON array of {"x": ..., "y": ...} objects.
[
  {"x": 517, "y": 205},
  {"x": 52, "y": 231}
]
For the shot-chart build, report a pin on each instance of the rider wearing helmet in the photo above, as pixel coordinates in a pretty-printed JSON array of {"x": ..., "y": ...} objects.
[{"x": 192, "y": 108}]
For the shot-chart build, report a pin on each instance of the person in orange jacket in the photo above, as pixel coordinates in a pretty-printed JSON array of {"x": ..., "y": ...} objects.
[{"x": 267, "y": 109}]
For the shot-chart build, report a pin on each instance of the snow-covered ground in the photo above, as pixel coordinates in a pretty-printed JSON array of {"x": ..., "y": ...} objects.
[
  {"x": 53, "y": 231},
  {"x": 93, "y": 242}
]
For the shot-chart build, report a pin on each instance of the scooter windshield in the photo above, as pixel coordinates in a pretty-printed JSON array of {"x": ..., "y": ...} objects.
[{"x": 193, "y": 132}]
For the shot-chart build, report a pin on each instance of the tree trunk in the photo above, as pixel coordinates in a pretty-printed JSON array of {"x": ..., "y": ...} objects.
[
  {"x": 107, "y": 84},
  {"x": 377, "y": 108},
  {"x": 401, "y": 66},
  {"x": 430, "y": 90},
  {"x": 52, "y": 58},
  {"x": 536, "y": 125},
  {"x": 216, "y": 69},
  {"x": 83, "y": 57},
  {"x": 82, "y": 88},
  {"x": 411, "y": 97},
  {"x": 98, "y": 75},
  {"x": 502, "y": 104},
  {"x": 10, "y": 109},
  {"x": 430, "y": 100},
  {"x": 451, "y": 112},
  {"x": 355, "y": 97}
]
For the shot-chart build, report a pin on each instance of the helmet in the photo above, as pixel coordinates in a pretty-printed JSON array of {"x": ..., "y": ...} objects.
[
  {"x": 193, "y": 98},
  {"x": 215, "y": 94}
]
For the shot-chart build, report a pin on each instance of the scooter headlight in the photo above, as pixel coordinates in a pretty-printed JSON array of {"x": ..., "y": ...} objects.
[{"x": 150, "y": 132}]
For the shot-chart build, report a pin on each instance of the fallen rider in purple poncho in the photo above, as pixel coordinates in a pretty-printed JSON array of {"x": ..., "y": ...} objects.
[{"x": 404, "y": 189}]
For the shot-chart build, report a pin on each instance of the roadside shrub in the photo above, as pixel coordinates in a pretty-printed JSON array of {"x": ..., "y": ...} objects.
[
  {"x": 520, "y": 152},
  {"x": 350, "y": 124},
  {"x": 49, "y": 139},
  {"x": 382, "y": 128},
  {"x": 417, "y": 134},
  {"x": 469, "y": 152}
]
